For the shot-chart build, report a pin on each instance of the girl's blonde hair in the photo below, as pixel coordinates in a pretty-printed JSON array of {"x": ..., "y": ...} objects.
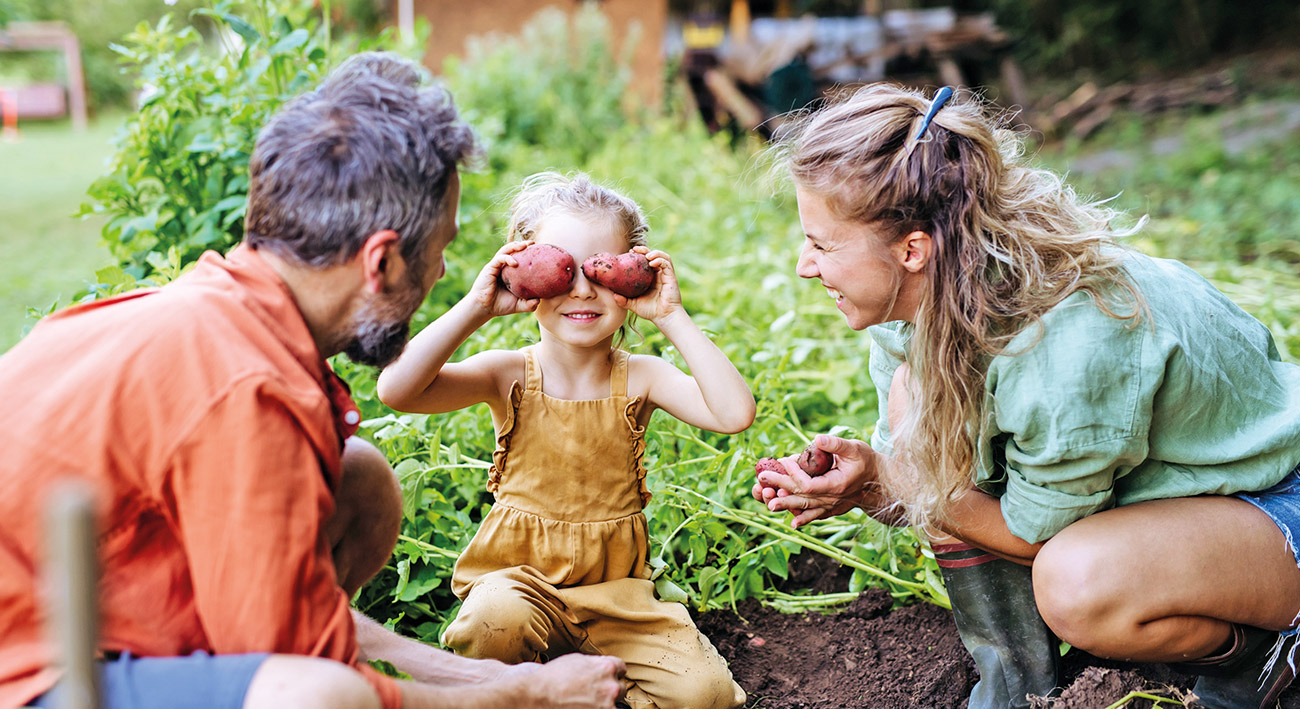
[
  {"x": 546, "y": 193},
  {"x": 1010, "y": 242}
]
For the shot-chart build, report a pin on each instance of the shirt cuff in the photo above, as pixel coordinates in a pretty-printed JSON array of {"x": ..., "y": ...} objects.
[{"x": 390, "y": 692}]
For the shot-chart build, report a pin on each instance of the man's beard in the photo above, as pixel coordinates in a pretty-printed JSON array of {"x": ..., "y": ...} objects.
[{"x": 383, "y": 328}]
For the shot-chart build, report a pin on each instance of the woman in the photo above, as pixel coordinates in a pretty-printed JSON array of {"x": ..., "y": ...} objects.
[{"x": 1100, "y": 446}]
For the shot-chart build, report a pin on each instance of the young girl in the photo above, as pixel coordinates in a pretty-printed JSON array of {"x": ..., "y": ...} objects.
[{"x": 559, "y": 564}]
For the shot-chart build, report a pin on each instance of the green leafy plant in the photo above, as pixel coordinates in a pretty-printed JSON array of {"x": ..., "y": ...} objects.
[{"x": 180, "y": 176}]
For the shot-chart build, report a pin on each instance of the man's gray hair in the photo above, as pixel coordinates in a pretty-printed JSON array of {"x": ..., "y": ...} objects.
[{"x": 369, "y": 150}]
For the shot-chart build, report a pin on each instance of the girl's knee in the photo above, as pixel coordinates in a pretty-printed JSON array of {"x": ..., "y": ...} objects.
[
  {"x": 701, "y": 684},
  {"x": 506, "y": 629},
  {"x": 703, "y": 688},
  {"x": 297, "y": 681}
]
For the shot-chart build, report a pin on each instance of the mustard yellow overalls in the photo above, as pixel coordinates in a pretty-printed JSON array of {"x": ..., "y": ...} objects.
[{"x": 559, "y": 564}]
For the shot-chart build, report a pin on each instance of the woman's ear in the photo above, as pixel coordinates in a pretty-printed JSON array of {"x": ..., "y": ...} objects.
[
  {"x": 381, "y": 261},
  {"x": 914, "y": 251}
]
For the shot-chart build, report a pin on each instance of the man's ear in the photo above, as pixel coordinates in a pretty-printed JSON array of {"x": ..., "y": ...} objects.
[
  {"x": 915, "y": 251},
  {"x": 381, "y": 261}
]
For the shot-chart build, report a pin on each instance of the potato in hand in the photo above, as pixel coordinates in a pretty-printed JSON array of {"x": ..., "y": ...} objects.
[
  {"x": 815, "y": 461},
  {"x": 628, "y": 274},
  {"x": 544, "y": 271}
]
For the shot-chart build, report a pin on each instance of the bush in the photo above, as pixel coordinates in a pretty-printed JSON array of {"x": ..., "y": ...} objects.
[{"x": 179, "y": 178}]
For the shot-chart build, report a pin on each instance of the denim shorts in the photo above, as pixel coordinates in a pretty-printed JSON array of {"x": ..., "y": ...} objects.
[
  {"x": 1282, "y": 504},
  {"x": 199, "y": 681}
]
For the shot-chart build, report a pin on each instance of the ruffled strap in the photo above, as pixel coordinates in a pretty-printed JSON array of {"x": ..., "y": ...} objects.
[
  {"x": 532, "y": 370},
  {"x": 503, "y": 438},
  {"x": 638, "y": 447}
]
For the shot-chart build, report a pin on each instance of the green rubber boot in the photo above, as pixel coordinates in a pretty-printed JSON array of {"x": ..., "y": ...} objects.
[
  {"x": 1250, "y": 674},
  {"x": 993, "y": 603}
]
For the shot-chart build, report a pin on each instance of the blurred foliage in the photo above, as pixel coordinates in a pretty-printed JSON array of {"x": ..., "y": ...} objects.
[
  {"x": 101, "y": 23},
  {"x": 1120, "y": 39},
  {"x": 179, "y": 178},
  {"x": 97, "y": 24}
]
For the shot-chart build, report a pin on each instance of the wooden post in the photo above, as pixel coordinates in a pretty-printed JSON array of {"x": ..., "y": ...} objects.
[
  {"x": 71, "y": 575},
  {"x": 739, "y": 21},
  {"x": 76, "y": 81},
  {"x": 9, "y": 107}
]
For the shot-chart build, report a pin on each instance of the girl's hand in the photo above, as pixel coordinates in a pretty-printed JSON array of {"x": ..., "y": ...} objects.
[
  {"x": 664, "y": 298},
  {"x": 488, "y": 293},
  {"x": 850, "y": 483}
]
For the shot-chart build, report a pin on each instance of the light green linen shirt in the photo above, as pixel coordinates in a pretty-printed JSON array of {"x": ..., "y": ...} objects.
[{"x": 1101, "y": 412}]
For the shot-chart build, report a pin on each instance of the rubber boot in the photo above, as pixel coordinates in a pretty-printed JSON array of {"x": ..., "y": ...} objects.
[
  {"x": 993, "y": 603},
  {"x": 1250, "y": 674}
]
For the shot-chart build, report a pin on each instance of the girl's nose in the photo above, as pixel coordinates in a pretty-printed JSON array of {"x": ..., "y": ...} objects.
[{"x": 582, "y": 288}]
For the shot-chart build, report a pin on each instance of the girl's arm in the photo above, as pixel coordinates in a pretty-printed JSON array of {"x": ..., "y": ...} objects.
[
  {"x": 714, "y": 396},
  {"x": 421, "y": 380}
]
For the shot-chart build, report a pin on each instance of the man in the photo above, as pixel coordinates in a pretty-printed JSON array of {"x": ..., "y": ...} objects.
[{"x": 237, "y": 512}]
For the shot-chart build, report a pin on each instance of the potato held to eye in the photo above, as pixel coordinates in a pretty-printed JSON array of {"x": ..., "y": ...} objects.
[
  {"x": 544, "y": 271},
  {"x": 628, "y": 274}
]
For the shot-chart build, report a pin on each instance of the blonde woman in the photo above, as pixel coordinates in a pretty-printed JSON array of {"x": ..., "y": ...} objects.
[{"x": 1100, "y": 445}]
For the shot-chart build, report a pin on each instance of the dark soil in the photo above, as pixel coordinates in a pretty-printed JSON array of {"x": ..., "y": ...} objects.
[{"x": 866, "y": 655}]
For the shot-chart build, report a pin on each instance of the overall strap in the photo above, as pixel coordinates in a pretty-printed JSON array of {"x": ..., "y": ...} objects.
[
  {"x": 618, "y": 378},
  {"x": 532, "y": 371}
]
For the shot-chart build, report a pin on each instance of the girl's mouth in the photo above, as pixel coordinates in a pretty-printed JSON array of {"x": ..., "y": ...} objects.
[{"x": 582, "y": 316}]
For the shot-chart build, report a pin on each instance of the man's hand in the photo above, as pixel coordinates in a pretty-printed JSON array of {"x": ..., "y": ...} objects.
[{"x": 571, "y": 681}]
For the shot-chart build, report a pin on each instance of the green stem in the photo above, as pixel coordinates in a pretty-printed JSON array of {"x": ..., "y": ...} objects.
[
  {"x": 325, "y": 8},
  {"x": 752, "y": 520},
  {"x": 427, "y": 547},
  {"x": 693, "y": 439},
  {"x": 1143, "y": 695}
]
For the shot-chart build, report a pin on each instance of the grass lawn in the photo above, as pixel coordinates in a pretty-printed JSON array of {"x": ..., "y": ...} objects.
[{"x": 48, "y": 255}]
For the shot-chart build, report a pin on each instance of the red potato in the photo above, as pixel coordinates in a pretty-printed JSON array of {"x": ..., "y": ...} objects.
[
  {"x": 628, "y": 274},
  {"x": 544, "y": 271},
  {"x": 769, "y": 464},
  {"x": 815, "y": 461}
]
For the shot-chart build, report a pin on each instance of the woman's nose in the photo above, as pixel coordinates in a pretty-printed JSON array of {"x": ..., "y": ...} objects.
[{"x": 805, "y": 268}]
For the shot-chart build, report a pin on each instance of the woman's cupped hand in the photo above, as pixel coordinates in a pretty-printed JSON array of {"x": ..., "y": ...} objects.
[{"x": 851, "y": 482}]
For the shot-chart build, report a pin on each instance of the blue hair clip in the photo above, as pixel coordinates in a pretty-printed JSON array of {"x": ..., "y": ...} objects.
[{"x": 940, "y": 99}]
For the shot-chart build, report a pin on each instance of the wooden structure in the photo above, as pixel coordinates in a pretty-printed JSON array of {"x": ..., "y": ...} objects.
[
  {"x": 453, "y": 21},
  {"x": 44, "y": 100},
  {"x": 932, "y": 45}
]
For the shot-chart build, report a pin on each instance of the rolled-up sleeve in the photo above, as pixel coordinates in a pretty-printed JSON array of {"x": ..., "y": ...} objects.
[
  {"x": 1071, "y": 416},
  {"x": 249, "y": 497}
]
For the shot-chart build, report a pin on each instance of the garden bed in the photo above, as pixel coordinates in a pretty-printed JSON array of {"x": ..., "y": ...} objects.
[{"x": 866, "y": 655}]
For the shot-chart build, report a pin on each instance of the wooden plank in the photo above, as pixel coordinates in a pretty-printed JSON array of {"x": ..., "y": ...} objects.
[
  {"x": 731, "y": 99},
  {"x": 71, "y": 577}
]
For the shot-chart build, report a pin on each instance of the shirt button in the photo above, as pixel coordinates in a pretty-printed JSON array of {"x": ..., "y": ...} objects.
[{"x": 352, "y": 418}]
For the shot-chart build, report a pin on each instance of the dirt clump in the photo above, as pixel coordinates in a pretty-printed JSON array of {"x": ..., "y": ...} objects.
[{"x": 867, "y": 655}]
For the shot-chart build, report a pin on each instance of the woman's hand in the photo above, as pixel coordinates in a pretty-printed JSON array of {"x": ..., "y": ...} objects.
[
  {"x": 850, "y": 483},
  {"x": 488, "y": 293},
  {"x": 664, "y": 298}
]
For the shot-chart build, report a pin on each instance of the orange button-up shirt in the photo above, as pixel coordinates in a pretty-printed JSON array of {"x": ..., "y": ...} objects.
[{"x": 211, "y": 430}]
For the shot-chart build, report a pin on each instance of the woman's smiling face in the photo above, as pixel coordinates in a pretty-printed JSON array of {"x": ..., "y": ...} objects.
[
  {"x": 587, "y": 314},
  {"x": 852, "y": 261}
]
